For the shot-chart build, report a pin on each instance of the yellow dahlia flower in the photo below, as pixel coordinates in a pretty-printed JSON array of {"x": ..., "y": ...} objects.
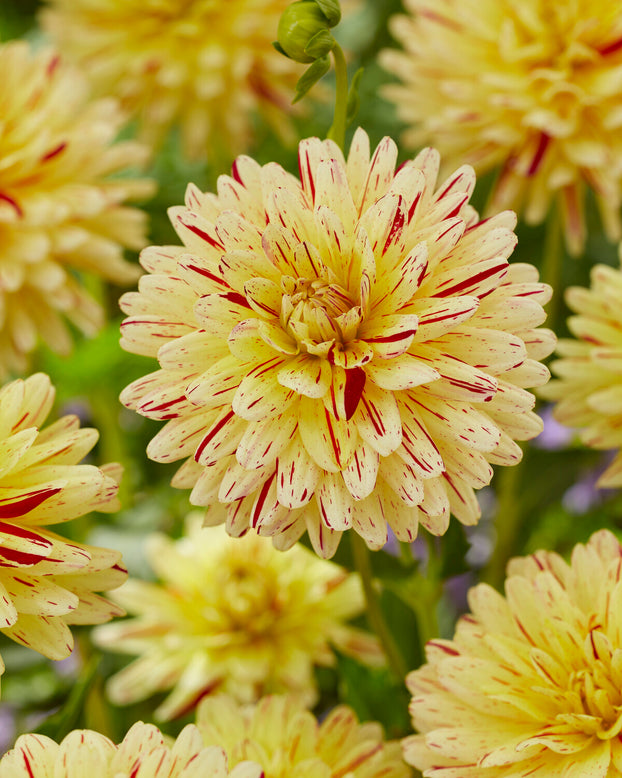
[
  {"x": 531, "y": 86},
  {"x": 235, "y": 615},
  {"x": 531, "y": 685},
  {"x": 589, "y": 384},
  {"x": 144, "y": 753},
  {"x": 287, "y": 741},
  {"x": 46, "y": 582},
  {"x": 338, "y": 352},
  {"x": 61, "y": 202},
  {"x": 206, "y": 65}
]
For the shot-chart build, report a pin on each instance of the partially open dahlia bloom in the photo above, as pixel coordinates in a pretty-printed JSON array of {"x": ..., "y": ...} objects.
[
  {"x": 62, "y": 207},
  {"x": 286, "y": 740},
  {"x": 588, "y": 386},
  {"x": 46, "y": 582},
  {"x": 232, "y": 615},
  {"x": 338, "y": 352},
  {"x": 531, "y": 684},
  {"x": 534, "y": 88},
  {"x": 143, "y": 753},
  {"x": 205, "y": 65}
]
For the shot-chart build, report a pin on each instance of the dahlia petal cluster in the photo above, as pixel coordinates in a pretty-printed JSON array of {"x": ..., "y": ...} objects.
[
  {"x": 143, "y": 753},
  {"x": 62, "y": 204},
  {"x": 287, "y": 740},
  {"x": 588, "y": 387},
  {"x": 531, "y": 684},
  {"x": 338, "y": 352},
  {"x": 533, "y": 88},
  {"x": 46, "y": 582},
  {"x": 203, "y": 65},
  {"x": 232, "y": 615}
]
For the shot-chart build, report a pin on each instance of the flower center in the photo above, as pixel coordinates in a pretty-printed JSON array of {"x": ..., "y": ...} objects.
[
  {"x": 311, "y": 309},
  {"x": 594, "y": 692}
]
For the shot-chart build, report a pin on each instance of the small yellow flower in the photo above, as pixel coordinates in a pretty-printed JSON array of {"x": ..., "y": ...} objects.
[
  {"x": 61, "y": 203},
  {"x": 205, "y": 65},
  {"x": 287, "y": 741},
  {"x": 534, "y": 88},
  {"x": 144, "y": 753},
  {"x": 46, "y": 582},
  {"x": 232, "y": 615},
  {"x": 589, "y": 384},
  {"x": 338, "y": 352},
  {"x": 531, "y": 685}
]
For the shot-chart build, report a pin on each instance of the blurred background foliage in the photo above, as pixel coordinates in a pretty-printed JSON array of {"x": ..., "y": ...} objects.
[{"x": 424, "y": 592}]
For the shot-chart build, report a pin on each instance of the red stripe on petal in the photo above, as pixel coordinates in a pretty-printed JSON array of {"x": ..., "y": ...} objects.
[
  {"x": 13, "y": 203},
  {"x": 29, "y": 502},
  {"x": 214, "y": 431},
  {"x": 353, "y": 390},
  {"x": 54, "y": 152},
  {"x": 543, "y": 142}
]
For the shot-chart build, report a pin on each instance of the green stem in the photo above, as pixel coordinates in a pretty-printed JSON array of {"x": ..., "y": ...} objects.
[
  {"x": 337, "y": 131},
  {"x": 362, "y": 563},
  {"x": 552, "y": 263},
  {"x": 507, "y": 523}
]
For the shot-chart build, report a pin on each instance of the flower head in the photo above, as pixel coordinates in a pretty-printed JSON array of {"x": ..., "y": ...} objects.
[
  {"x": 46, "y": 582},
  {"x": 144, "y": 753},
  {"x": 205, "y": 65},
  {"x": 338, "y": 352},
  {"x": 531, "y": 683},
  {"x": 532, "y": 87},
  {"x": 286, "y": 740},
  {"x": 589, "y": 384},
  {"x": 232, "y": 615},
  {"x": 61, "y": 211}
]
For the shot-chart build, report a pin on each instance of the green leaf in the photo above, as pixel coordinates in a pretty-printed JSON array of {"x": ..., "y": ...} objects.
[
  {"x": 320, "y": 44},
  {"x": 312, "y": 75},
  {"x": 331, "y": 10},
  {"x": 354, "y": 100}
]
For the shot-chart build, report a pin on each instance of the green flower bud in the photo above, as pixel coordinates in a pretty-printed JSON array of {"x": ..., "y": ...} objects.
[{"x": 301, "y": 24}]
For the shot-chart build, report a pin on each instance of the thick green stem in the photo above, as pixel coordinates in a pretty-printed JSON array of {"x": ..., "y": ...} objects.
[
  {"x": 360, "y": 552},
  {"x": 552, "y": 263},
  {"x": 337, "y": 131},
  {"x": 507, "y": 523}
]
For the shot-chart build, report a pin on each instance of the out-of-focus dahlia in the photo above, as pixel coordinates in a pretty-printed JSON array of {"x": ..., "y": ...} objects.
[
  {"x": 338, "y": 352},
  {"x": 534, "y": 88},
  {"x": 46, "y": 582},
  {"x": 143, "y": 753},
  {"x": 531, "y": 684},
  {"x": 588, "y": 387},
  {"x": 205, "y": 65},
  {"x": 232, "y": 615},
  {"x": 61, "y": 203},
  {"x": 286, "y": 740}
]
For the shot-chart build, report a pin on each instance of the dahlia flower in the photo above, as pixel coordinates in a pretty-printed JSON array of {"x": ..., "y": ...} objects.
[
  {"x": 144, "y": 753},
  {"x": 533, "y": 88},
  {"x": 207, "y": 66},
  {"x": 531, "y": 683},
  {"x": 61, "y": 210},
  {"x": 286, "y": 740},
  {"x": 232, "y": 615},
  {"x": 338, "y": 352},
  {"x": 589, "y": 384},
  {"x": 46, "y": 582}
]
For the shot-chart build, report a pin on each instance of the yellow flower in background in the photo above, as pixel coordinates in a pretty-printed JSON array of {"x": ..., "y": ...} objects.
[
  {"x": 338, "y": 352},
  {"x": 287, "y": 740},
  {"x": 588, "y": 388},
  {"x": 534, "y": 88},
  {"x": 47, "y": 582},
  {"x": 232, "y": 615},
  {"x": 205, "y": 65},
  {"x": 62, "y": 205},
  {"x": 144, "y": 753},
  {"x": 531, "y": 684}
]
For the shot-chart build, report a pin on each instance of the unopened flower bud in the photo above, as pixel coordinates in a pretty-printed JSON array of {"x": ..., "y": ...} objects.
[{"x": 301, "y": 23}]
